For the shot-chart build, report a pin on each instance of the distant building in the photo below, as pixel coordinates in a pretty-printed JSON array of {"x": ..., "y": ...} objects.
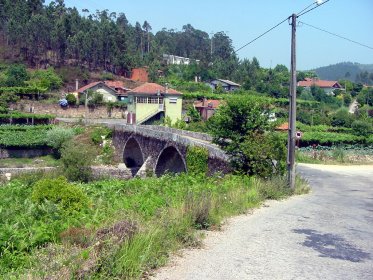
[
  {"x": 111, "y": 90},
  {"x": 150, "y": 102},
  {"x": 225, "y": 84},
  {"x": 206, "y": 108},
  {"x": 178, "y": 60},
  {"x": 327, "y": 86},
  {"x": 108, "y": 93}
]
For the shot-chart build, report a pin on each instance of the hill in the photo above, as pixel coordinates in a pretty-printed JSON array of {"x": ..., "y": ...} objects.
[{"x": 354, "y": 72}]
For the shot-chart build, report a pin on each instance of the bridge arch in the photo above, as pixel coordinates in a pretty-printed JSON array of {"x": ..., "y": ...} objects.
[
  {"x": 170, "y": 160},
  {"x": 132, "y": 154}
]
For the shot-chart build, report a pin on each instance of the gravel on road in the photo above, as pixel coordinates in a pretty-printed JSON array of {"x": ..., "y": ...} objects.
[{"x": 327, "y": 234}]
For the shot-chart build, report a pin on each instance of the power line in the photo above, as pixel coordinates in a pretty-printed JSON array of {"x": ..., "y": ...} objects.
[
  {"x": 336, "y": 35},
  {"x": 261, "y": 35},
  {"x": 318, "y": 5},
  {"x": 302, "y": 12},
  {"x": 313, "y": 3}
]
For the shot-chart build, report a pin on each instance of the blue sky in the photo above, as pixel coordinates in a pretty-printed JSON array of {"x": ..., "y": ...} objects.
[{"x": 243, "y": 20}]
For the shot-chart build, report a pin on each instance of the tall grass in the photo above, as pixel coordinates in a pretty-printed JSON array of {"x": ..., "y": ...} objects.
[{"x": 168, "y": 212}]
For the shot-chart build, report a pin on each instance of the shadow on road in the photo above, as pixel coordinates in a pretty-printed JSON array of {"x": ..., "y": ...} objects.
[{"x": 332, "y": 246}]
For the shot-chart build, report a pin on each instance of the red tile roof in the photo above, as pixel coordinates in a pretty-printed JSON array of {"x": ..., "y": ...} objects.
[
  {"x": 90, "y": 85},
  {"x": 153, "y": 88},
  {"x": 320, "y": 83},
  {"x": 284, "y": 126},
  {"x": 211, "y": 103},
  {"x": 115, "y": 84}
]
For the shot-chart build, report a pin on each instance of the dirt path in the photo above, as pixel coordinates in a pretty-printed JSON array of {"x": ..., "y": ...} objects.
[{"x": 325, "y": 235}]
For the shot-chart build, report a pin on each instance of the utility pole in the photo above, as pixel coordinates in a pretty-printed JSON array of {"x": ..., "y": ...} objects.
[{"x": 292, "y": 106}]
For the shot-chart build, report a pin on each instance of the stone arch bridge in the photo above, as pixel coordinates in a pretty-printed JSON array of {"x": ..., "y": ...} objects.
[{"x": 155, "y": 149}]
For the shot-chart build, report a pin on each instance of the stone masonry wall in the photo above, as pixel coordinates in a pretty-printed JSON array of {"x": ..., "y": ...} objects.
[
  {"x": 24, "y": 153},
  {"x": 98, "y": 172},
  {"x": 153, "y": 140},
  {"x": 69, "y": 112}
]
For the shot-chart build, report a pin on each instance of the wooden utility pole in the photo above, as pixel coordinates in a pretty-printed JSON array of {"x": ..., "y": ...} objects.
[{"x": 292, "y": 106}]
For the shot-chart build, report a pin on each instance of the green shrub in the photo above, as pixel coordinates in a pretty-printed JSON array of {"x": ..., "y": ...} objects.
[
  {"x": 275, "y": 188},
  {"x": 99, "y": 133},
  {"x": 46, "y": 79},
  {"x": 198, "y": 206},
  {"x": 107, "y": 153},
  {"x": 362, "y": 128},
  {"x": 342, "y": 118},
  {"x": 71, "y": 99},
  {"x": 197, "y": 160},
  {"x": 59, "y": 191},
  {"x": 339, "y": 155},
  {"x": 57, "y": 136},
  {"x": 263, "y": 155},
  {"x": 77, "y": 159}
]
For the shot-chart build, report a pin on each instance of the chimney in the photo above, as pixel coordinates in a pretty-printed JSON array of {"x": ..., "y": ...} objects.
[
  {"x": 76, "y": 85},
  {"x": 166, "y": 88},
  {"x": 204, "y": 102}
]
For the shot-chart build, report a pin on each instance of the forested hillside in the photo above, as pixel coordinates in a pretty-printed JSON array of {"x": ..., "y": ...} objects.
[
  {"x": 56, "y": 35},
  {"x": 355, "y": 72}
]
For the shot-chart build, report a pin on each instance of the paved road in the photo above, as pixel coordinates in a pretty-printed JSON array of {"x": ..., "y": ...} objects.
[{"x": 327, "y": 234}]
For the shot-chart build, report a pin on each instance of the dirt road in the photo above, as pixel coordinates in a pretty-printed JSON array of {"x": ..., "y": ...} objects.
[{"x": 327, "y": 234}]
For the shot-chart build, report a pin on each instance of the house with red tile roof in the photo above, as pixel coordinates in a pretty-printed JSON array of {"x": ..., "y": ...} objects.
[
  {"x": 150, "y": 102},
  {"x": 327, "y": 86},
  {"x": 111, "y": 90},
  {"x": 206, "y": 107}
]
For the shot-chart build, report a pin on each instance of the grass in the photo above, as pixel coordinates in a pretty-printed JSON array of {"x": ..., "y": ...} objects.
[
  {"x": 335, "y": 156},
  {"x": 44, "y": 161},
  {"x": 130, "y": 228}
]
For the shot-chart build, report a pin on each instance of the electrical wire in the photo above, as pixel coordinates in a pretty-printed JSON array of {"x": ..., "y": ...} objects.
[
  {"x": 313, "y": 3},
  {"x": 336, "y": 35},
  {"x": 318, "y": 5},
  {"x": 261, "y": 35},
  {"x": 302, "y": 12}
]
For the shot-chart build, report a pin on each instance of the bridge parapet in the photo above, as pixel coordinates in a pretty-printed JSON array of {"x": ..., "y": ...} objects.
[
  {"x": 157, "y": 149},
  {"x": 183, "y": 137}
]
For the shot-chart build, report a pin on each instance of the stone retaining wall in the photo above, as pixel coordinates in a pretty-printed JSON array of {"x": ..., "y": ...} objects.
[
  {"x": 24, "y": 153},
  {"x": 98, "y": 172},
  {"x": 69, "y": 112}
]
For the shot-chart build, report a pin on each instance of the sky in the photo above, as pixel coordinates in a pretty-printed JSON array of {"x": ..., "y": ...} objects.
[{"x": 243, "y": 20}]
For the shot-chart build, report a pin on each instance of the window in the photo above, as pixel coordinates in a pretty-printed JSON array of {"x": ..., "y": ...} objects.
[
  {"x": 173, "y": 100},
  {"x": 141, "y": 100},
  {"x": 153, "y": 100}
]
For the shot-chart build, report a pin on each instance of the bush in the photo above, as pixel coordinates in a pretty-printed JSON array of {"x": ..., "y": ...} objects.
[
  {"x": 100, "y": 133},
  {"x": 362, "y": 128},
  {"x": 59, "y": 191},
  {"x": 71, "y": 99},
  {"x": 197, "y": 160},
  {"x": 77, "y": 159},
  {"x": 342, "y": 118},
  {"x": 57, "y": 136},
  {"x": 261, "y": 154},
  {"x": 239, "y": 127}
]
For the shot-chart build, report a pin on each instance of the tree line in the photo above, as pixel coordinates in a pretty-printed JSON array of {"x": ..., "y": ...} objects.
[{"x": 55, "y": 35}]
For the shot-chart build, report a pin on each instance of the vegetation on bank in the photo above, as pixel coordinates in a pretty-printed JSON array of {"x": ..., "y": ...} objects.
[{"x": 123, "y": 228}]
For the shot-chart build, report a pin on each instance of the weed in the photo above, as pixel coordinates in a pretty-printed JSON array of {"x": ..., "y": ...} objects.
[{"x": 339, "y": 155}]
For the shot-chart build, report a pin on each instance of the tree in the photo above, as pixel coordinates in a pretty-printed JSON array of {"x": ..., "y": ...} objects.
[
  {"x": 45, "y": 79},
  {"x": 241, "y": 128},
  {"x": 16, "y": 75},
  {"x": 146, "y": 26}
]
